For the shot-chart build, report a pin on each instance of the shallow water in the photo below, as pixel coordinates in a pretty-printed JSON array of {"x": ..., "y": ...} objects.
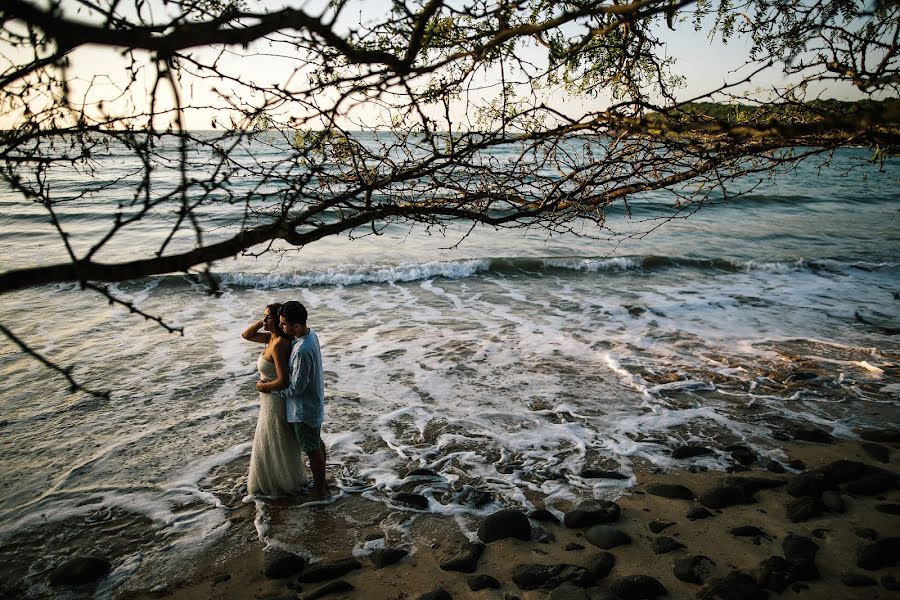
[{"x": 507, "y": 366}]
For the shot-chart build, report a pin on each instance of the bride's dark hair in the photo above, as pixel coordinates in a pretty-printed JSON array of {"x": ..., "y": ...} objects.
[{"x": 274, "y": 309}]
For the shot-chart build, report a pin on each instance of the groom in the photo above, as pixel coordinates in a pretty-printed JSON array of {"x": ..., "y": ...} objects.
[{"x": 305, "y": 394}]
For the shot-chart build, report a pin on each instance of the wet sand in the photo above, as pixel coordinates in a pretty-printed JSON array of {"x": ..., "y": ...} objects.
[{"x": 233, "y": 568}]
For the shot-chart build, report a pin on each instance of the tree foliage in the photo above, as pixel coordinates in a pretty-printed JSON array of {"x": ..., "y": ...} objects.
[{"x": 451, "y": 82}]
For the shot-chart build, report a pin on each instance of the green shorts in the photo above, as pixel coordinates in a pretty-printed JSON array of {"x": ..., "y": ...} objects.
[{"x": 308, "y": 438}]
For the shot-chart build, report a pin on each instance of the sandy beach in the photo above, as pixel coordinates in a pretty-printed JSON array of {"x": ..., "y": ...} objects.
[{"x": 662, "y": 531}]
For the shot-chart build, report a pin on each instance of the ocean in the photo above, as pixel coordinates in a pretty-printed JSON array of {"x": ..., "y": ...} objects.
[{"x": 506, "y": 361}]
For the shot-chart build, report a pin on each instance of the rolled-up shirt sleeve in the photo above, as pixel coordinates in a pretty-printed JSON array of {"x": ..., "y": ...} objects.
[{"x": 300, "y": 371}]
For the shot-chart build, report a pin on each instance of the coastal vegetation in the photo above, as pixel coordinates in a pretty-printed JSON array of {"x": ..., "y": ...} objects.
[{"x": 285, "y": 91}]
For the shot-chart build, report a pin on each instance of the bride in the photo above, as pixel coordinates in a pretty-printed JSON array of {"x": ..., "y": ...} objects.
[{"x": 276, "y": 466}]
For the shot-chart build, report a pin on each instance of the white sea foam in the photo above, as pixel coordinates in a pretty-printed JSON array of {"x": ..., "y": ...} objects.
[
  {"x": 593, "y": 264},
  {"x": 355, "y": 275}
]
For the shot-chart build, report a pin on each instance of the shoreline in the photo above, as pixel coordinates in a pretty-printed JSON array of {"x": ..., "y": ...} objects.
[{"x": 233, "y": 567}]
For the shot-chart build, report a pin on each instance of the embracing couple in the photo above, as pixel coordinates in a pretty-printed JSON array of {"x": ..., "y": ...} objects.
[{"x": 292, "y": 404}]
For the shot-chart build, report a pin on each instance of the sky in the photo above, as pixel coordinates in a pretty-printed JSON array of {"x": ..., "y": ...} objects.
[{"x": 101, "y": 75}]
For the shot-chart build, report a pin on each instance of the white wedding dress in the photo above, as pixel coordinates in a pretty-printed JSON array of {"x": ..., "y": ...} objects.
[{"x": 276, "y": 466}]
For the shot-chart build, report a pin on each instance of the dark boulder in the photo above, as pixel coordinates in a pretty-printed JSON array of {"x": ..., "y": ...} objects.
[
  {"x": 775, "y": 467},
  {"x": 797, "y": 547},
  {"x": 638, "y": 587},
  {"x": 606, "y": 537},
  {"x": 750, "y": 485},
  {"x": 664, "y": 545},
  {"x": 421, "y": 472},
  {"x": 734, "y": 586},
  {"x": 280, "y": 565},
  {"x": 889, "y": 582},
  {"x": 800, "y": 553},
  {"x": 881, "y": 435},
  {"x": 690, "y": 451},
  {"x": 888, "y": 509},
  {"x": 873, "y": 482},
  {"x": 723, "y": 496},
  {"x": 659, "y": 526},
  {"x": 534, "y": 576},
  {"x": 543, "y": 515},
  {"x": 810, "y": 483},
  {"x": 387, "y": 556},
  {"x": 601, "y": 564},
  {"x": 330, "y": 570},
  {"x": 775, "y": 574},
  {"x": 417, "y": 501},
  {"x": 857, "y": 580},
  {"x": 600, "y": 474},
  {"x": 812, "y": 434},
  {"x": 880, "y": 453},
  {"x": 482, "y": 582},
  {"x": 593, "y": 512},
  {"x": 883, "y": 553},
  {"x": 697, "y": 513},
  {"x": 466, "y": 561},
  {"x": 668, "y": 490},
  {"x": 694, "y": 569},
  {"x": 332, "y": 587},
  {"x": 570, "y": 592},
  {"x": 742, "y": 455},
  {"x": 747, "y": 531},
  {"x": 505, "y": 524},
  {"x": 833, "y": 502},
  {"x": 804, "y": 509},
  {"x": 79, "y": 571},
  {"x": 438, "y": 594}
]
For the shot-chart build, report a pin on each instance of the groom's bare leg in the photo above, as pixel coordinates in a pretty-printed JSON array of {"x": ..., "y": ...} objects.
[{"x": 317, "y": 466}]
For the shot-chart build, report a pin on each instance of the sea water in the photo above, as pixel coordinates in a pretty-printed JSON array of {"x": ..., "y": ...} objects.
[{"x": 507, "y": 362}]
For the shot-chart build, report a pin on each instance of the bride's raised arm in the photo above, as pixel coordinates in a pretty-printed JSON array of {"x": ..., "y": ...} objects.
[{"x": 254, "y": 334}]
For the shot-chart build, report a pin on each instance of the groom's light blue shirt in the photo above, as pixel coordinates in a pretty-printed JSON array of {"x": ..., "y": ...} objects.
[{"x": 305, "y": 394}]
